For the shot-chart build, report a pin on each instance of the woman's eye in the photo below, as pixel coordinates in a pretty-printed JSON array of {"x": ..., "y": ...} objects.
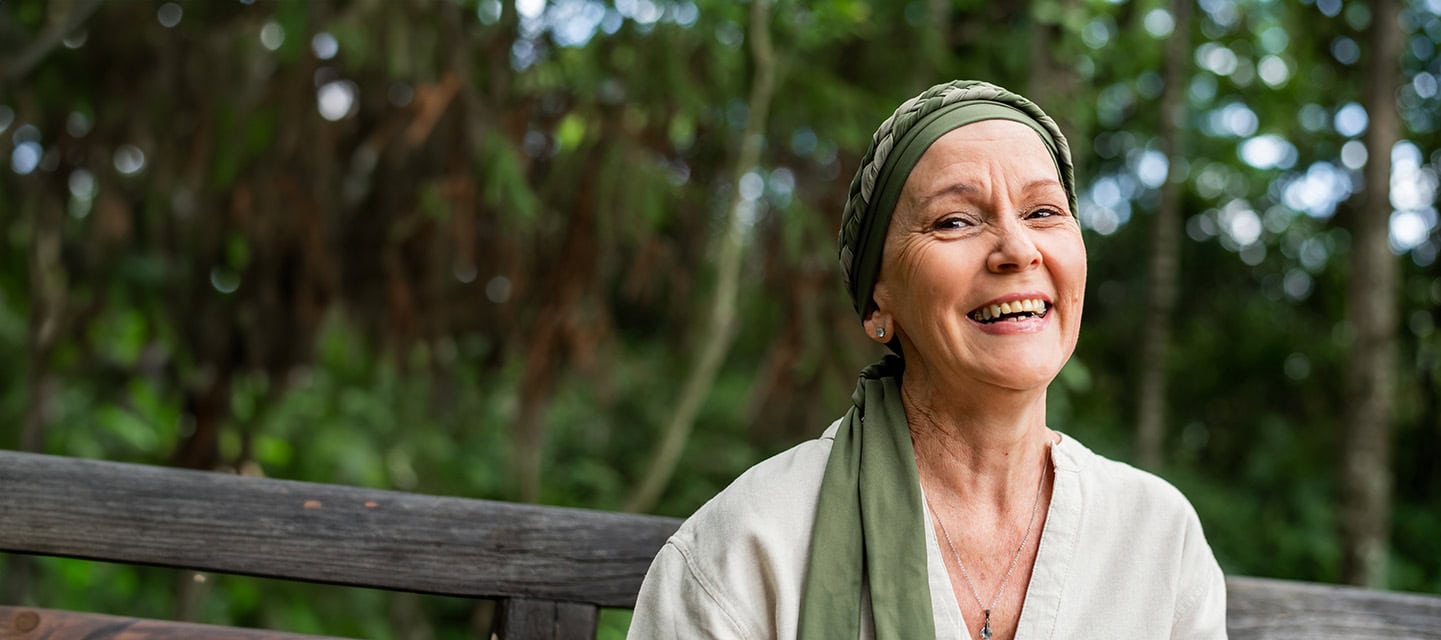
[
  {"x": 951, "y": 222},
  {"x": 1044, "y": 213}
]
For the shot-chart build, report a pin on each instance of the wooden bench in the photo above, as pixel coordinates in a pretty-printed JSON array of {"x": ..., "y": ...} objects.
[{"x": 550, "y": 568}]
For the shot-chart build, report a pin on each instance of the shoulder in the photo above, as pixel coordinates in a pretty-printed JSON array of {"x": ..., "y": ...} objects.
[
  {"x": 1138, "y": 529},
  {"x": 738, "y": 564},
  {"x": 768, "y": 506},
  {"x": 1120, "y": 491}
]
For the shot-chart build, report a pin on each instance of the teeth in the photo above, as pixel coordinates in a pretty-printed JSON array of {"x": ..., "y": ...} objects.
[{"x": 993, "y": 312}]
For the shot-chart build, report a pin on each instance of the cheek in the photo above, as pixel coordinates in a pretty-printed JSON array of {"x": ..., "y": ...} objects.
[
  {"x": 909, "y": 273},
  {"x": 1068, "y": 260},
  {"x": 1075, "y": 283}
]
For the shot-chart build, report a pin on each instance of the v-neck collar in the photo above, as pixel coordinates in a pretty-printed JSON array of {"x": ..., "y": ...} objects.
[{"x": 1059, "y": 535}]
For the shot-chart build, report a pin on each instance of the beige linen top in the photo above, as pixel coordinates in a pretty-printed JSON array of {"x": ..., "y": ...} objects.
[{"x": 1122, "y": 555}]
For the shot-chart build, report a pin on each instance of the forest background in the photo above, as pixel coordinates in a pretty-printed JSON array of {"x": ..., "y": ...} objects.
[{"x": 582, "y": 252}]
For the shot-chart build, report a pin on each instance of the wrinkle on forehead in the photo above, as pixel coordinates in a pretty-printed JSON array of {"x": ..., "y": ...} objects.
[{"x": 974, "y": 153}]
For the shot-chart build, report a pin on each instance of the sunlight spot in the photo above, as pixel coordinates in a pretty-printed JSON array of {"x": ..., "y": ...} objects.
[
  {"x": 1268, "y": 152},
  {"x": 324, "y": 46},
  {"x": 530, "y": 9},
  {"x": 1275, "y": 39},
  {"x": 488, "y": 11},
  {"x": 1424, "y": 84},
  {"x": 1411, "y": 228},
  {"x": 129, "y": 160},
  {"x": 26, "y": 157},
  {"x": 1234, "y": 119},
  {"x": 1152, "y": 168},
  {"x": 1273, "y": 71},
  {"x": 751, "y": 186},
  {"x": 497, "y": 290},
  {"x": 1312, "y": 117},
  {"x": 77, "y": 124},
  {"x": 1159, "y": 23},
  {"x": 1351, "y": 120},
  {"x": 1345, "y": 50},
  {"x": 272, "y": 35},
  {"x": 1240, "y": 222},
  {"x": 82, "y": 185},
  {"x": 169, "y": 15},
  {"x": 685, "y": 13},
  {"x": 574, "y": 22},
  {"x": 1353, "y": 155},
  {"x": 336, "y": 99},
  {"x": 1097, "y": 33},
  {"x": 1318, "y": 191},
  {"x": 1216, "y": 58},
  {"x": 224, "y": 280},
  {"x": 1298, "y": 366}
]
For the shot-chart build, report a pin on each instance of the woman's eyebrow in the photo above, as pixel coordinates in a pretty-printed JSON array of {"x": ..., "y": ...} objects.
[
  {"x": 953, "y": 189},
  {"x": 966, "y": 188},
  {"x": 1043, "y": 183}
]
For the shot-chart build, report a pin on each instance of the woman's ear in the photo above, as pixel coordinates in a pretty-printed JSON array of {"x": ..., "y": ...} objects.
[{"x": 879, "y": 326}]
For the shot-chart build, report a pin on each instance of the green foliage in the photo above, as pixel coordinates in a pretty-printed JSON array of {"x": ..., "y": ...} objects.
[{"x": 386, "y": 298}]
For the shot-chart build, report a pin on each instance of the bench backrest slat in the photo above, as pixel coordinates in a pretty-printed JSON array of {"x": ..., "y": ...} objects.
[
  {"x": 29, "y": 623},
  {"x": 1280, "y": 609},
  {"x": 322, "y": 533}
]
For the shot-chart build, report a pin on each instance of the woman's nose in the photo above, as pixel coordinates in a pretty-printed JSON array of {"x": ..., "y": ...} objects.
[{"x": 1015, "y": 250}]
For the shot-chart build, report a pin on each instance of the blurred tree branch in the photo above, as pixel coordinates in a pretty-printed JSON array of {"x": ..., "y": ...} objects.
[
  {"x": 721, "y": 328},
  {"x": 65, "y": 17}
]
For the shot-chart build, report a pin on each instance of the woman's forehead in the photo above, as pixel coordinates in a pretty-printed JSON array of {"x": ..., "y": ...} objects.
[{"x": 968, "y": 158}]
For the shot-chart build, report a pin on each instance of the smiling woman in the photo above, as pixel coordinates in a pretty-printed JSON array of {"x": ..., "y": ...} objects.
[{"x": 943, "y": 504}]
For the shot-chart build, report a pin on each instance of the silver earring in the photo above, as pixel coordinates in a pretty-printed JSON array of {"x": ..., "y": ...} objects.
[{"x": 880, "y": 332}]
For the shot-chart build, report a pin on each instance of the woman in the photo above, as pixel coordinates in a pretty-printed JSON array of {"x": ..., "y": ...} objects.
[{"x": 942, "y": 505}]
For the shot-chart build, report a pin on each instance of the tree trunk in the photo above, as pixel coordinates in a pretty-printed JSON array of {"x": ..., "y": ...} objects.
[
  {"x": 935, "y": 43},
  {"x": 1371, "y": 313},
  {"x": 1165, "y": 261},
  {"x": 1053, "y": 81},
  {"x": 716, "y": 341},
  {"x": 48, "y": 298}
]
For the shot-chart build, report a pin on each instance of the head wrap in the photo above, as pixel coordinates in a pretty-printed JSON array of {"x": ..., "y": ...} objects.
[
  {"x": 899, "y": 144},
  {"x": 869, "y": 535}
]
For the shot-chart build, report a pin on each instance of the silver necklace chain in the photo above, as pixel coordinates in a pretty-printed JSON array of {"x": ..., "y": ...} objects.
[{"x": 985, "y": 633}]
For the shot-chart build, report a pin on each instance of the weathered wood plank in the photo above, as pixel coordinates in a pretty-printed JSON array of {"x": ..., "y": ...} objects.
[
  {"x": 1265, "y": 609},
  {"x": 28, "y": 623},
  {"x": 522, "y": 618},
  {"x": 322, "y": 533}
]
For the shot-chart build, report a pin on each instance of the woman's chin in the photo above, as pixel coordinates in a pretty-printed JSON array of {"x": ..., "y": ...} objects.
[{"x": 1020, "y": 373}]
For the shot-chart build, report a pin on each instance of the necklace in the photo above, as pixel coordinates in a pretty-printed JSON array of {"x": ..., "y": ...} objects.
[{"x": 1035, "y": 506}]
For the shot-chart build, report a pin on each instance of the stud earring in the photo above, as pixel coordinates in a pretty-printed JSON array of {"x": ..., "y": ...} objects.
[{"x": 880, "y": 332}]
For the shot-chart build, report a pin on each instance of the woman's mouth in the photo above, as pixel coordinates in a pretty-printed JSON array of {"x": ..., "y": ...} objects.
[{"x": 1011, "y": 311}]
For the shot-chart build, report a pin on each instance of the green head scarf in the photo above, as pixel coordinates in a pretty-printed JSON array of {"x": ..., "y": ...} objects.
[{"x": 869, "y": 533}]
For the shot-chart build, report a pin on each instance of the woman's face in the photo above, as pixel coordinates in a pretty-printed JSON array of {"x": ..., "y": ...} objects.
[{"x": 983, "y": 226}]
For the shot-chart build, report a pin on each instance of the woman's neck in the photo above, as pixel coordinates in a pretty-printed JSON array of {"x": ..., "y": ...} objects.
[{"x": 982, "y": 447}]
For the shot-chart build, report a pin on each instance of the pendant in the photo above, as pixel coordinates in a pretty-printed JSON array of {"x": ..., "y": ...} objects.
[{"x": 986, "y": 628}]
